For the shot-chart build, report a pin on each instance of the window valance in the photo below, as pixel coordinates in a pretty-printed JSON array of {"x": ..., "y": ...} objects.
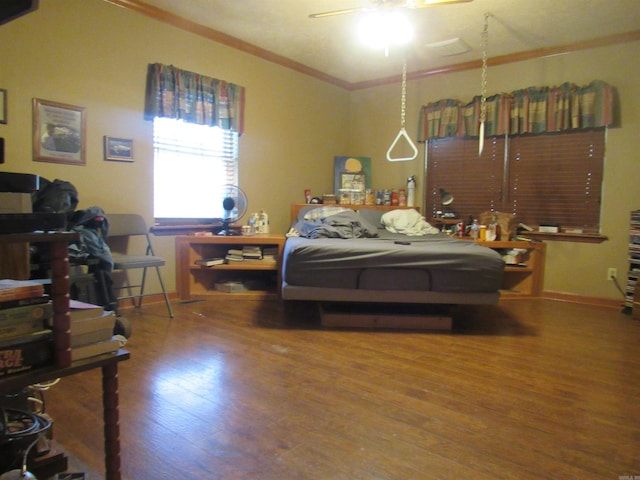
[
  {"x": 529, "y": 110},
  {"x": 194, "y": 98}
]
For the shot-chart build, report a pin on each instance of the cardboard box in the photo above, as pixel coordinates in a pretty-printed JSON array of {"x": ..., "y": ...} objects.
[{"x": 15, "y": 202}]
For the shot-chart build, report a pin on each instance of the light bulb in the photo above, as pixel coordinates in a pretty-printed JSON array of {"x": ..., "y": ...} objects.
[{"x": 380, "y": 30}]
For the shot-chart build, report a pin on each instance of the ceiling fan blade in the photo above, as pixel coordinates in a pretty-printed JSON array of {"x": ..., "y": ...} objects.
[
  {"x": 345, "y": 11},
  {"x": 432, "y": 3}
]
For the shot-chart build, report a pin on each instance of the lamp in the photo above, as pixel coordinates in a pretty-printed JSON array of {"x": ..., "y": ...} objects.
[{"x": 446, "y": 199}]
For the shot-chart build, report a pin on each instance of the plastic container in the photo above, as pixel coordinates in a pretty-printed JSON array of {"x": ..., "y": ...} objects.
[{"x": 474, "y": 231}]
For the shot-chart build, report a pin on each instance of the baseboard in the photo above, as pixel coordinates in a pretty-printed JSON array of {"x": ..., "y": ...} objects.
[{"x": 584, "y": 300}]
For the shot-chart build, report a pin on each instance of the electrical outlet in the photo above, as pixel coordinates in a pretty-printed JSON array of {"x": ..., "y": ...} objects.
[{"x": 612, "y": 273}]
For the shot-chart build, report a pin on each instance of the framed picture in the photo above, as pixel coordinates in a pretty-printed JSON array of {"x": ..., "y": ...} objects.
[
  {"x": 3, "y": 105},
  {"x": 353, "y": 181},
  {"x": 118, "y": 149},
  {"x": 344, "y": 164},
  {"x": 59, "y": 132}
]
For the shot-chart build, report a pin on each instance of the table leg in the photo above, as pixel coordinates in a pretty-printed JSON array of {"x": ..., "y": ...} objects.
[{"x": 111, "y": 421}]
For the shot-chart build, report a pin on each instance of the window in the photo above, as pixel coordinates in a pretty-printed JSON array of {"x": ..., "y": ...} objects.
[
  {"x": 551, "y": 178},
  {"x": 191, "y": 165}
]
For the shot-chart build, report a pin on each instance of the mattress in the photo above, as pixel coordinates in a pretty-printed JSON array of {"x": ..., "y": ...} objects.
[{"x": 392, "y": 262}]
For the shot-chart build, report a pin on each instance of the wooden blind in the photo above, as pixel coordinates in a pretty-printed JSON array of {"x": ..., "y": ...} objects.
[
  {"x": 475, "y": 182},
  {"x": 557, "y": 179},
  {"x": 551, "y": 178}
]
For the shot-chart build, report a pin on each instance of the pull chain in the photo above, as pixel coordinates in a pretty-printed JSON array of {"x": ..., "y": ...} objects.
[
  {"x": 402, "y": 134},
  {"x": 403, "y": 101},
  {"x": 483, "y": 83}
]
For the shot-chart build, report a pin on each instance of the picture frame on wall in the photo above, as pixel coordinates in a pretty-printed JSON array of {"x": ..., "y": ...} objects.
[
  {"x": 3, "y": 106},
  {"x": 118, "y": 149},
  {"x": 59, "y": 132}
]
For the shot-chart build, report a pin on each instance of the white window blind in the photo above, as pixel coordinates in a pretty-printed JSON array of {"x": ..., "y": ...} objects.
[{"x": 191, "y": 165}]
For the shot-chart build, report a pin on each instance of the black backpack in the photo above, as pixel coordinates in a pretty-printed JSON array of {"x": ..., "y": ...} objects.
[{"x": 58, "y": 196}]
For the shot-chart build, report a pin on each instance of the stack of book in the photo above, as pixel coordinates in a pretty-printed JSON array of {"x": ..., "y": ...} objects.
[
  {"x": 252, "y": 252},
  {"x": 234, "y": 255},
  {"x": 270, "y": 253},
  {"x": 25, "y": 340},
  {"x": 91, "y": 330}
]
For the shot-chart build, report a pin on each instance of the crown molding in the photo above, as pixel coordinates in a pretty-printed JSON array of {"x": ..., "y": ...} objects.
[{"x": 233, "y": 42}]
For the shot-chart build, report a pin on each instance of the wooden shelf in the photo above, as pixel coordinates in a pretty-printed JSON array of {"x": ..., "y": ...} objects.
[
  {"x": 196, "y": 281},
  {"x": 520, "y": 281}
]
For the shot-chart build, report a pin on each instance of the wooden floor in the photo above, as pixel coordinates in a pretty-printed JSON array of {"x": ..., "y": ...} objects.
[{"x": 528, "y": 389}]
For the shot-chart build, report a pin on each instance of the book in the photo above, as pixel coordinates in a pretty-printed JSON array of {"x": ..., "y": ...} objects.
[
  {"x": 234, "y": 251},
  {"x": 252, "y": 251},
  {"x": 234, "y": 258},
  {"x": 230, "y": 287},
  {"x": 26, "y": 352},
  {"x": 21, "y": 302},
  {"x": 90, "y": 337},
  {"x": 106, "y": 320},
  {"x": 17, "y": 289},
  {"x": 210, "y": 262},
  {"x": 85, "y": 325},
  {"x": 94, "y": 349},
  {"x": 80, "y": 310},
  {"x": 24, "y": 320}
]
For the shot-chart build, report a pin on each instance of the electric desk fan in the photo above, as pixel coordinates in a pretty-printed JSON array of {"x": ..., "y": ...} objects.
[{"x": 234, "y": 203}]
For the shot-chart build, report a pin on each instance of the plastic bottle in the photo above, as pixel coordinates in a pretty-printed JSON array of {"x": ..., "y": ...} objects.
[
  {"x": 474, "y": 231},
  {"x": 264, "y": 221},
  {"x": 411, "y": 191},
  {"x": 402, "y": 198},
  {"x": 493, "y": 233}
]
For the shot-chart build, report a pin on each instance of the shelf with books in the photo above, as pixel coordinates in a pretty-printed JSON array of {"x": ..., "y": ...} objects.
[
  {"x": 524, "y": 274},
  {"x": 57, "y": 244},
  {"x": 250, "y": 260}
]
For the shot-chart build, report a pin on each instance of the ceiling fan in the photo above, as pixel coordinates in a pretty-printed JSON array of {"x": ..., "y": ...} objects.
[{"x": 377, "y": 4}]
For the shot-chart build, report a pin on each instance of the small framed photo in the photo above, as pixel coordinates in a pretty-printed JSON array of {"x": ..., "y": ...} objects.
[
  {"x": 118, "y": 149},
  {"x": 3, "y": 105},
  {"x": 59, "y": 132},
  {"x": 353, "y": 181}
]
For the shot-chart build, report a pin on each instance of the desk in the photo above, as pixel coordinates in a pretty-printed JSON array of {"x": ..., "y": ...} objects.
[{"x": 109, "y": 365}]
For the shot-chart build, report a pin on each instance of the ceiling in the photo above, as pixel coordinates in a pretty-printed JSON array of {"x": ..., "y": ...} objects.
[{"x": 329, "y": 45}]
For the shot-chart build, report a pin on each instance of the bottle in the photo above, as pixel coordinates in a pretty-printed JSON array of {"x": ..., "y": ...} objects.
[
  {"x": 386, "y": 199},
  {"x": 402, "y": 198},
  {"x": 474, "y": 231},
  {"x": 493, "y": 233},
  {"x": 482, "y": 236},
  {"x": 411, "y": 191},
  {"x": 264, "y": 221},
  {"x": 394, "y": 197}
]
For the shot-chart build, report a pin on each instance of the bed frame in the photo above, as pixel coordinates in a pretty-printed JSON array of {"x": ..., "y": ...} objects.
[{"x": 369, "y": 308}]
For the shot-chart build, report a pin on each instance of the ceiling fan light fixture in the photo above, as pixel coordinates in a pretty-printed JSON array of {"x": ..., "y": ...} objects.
[{"x": 383, "y": 29}]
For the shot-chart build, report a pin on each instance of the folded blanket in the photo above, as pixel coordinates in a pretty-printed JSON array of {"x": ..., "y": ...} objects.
[{"x": 408, "y": 222}]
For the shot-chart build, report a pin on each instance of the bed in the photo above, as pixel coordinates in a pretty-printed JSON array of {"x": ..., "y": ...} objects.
[{"x": 324, "y": 262}]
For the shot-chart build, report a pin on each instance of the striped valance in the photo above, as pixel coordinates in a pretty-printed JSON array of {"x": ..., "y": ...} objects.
[
  {"x": 530, "y": 110},
  {"x": 194, "y": 98}
]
